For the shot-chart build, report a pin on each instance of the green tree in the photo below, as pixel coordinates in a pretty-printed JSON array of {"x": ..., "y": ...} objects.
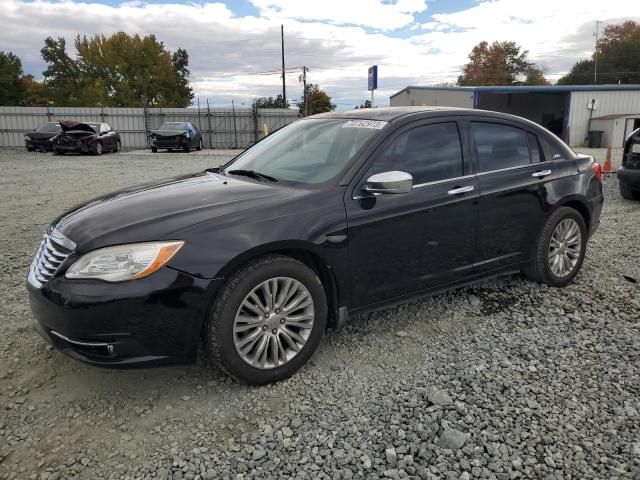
[
  {"x": 365, "y": 104},
  {"x": 618, "y": 59},
  {"x": 501, "y": 63},
  {"x": 117, "y": 71},
  {"x": 317, "y": 100},
  {"x": 11, "y": 90},
  {"x": 270, "y": 102}
]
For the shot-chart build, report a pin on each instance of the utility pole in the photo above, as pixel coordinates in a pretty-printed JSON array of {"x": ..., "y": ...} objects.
[
  {"x": 595, "y": 56},
  {"x": 284, "y": 86},
  {"x": 304, "y": 91}
]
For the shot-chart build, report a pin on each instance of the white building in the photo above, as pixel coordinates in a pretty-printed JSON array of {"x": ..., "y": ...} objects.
[{"x": 569, "y": 111}]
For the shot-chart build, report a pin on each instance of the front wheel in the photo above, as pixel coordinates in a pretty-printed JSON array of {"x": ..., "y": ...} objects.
[
  {"x": 97, "y": 149},
  {"x": 117, "y": 147},
  {"x": 199, "y": 147},
  {"x": 267, "y": 320},
  {"x": 187, "y": 146},
  {"x": 560, "y": 249}
]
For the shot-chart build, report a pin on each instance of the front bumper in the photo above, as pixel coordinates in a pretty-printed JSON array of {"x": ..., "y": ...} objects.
[
  {"x": 169, "y": 142},
  {"x": 151, "y": 321},
  {"x": 44, "y": 145},
  {"x": 78, "y": 147},
  {"x": 630, "y": 177}
]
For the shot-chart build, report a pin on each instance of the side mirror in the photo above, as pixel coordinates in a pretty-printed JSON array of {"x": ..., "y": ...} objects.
[{"x": 389, "y": 182}]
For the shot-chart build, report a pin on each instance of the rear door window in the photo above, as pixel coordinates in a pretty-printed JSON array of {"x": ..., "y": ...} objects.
[
  {"x": 429, "y": 153},
  {"x": 499, "y": 146}
]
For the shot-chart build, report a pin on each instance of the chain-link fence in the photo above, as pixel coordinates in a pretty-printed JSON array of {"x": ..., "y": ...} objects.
[{"x": 220, "y": 128}]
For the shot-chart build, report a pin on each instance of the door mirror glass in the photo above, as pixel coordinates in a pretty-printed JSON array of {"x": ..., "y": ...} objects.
[{"x": 389, "y": 182}]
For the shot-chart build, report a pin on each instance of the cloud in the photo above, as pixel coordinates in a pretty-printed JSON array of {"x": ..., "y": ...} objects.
[
  {"x": 369, "y": 13},
  {"x": 238, "y": 57}
]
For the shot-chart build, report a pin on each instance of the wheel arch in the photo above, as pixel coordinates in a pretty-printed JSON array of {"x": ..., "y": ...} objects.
[
  {"x": 305, "y": 252},
  {"x": 577, "y": 204}
]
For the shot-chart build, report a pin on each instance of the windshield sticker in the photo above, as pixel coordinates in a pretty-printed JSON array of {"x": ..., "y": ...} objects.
[{"x": 378, "y": 125}]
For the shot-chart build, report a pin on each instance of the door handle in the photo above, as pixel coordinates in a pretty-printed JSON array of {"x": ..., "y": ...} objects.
[
  {"x": 541, "y": 174},
  {"x": 459, "y": 190}
]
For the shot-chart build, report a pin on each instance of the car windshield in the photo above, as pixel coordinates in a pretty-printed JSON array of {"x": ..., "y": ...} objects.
[
  {"x": 49, "y": 128},
  {"x": 307, "y": 151},
  {"x": 173, "y": 126}
]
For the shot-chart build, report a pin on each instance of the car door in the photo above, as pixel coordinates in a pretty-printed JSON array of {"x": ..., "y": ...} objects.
[
  {"x": 105, "y": 138},
  {"x": 513, "y": 180},
  {"x": 404, "y": 243}
]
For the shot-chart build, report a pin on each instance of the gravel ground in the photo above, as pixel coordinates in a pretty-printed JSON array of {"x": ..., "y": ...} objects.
[{"x": 504, "y": 380}]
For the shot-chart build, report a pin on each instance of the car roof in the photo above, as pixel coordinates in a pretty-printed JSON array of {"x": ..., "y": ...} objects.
[{"x": 388, "y": 114}]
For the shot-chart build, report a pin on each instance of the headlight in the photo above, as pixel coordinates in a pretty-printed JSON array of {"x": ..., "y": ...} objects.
[
  {"x": 27, "y": 138},
  {"x": 124, "y": 262}
]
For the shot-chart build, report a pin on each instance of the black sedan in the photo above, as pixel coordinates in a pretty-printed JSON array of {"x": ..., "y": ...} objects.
[
  {"x": 334, "y": 214},
  {"x": 629, "y": 172},
  {"x": 90, "y": 137},
  {"x": 176, "y": 136},
  {"x": 39, "y": 139}
]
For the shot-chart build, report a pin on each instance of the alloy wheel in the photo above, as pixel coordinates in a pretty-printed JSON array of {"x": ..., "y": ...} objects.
[
  {"x": 565, "y": 247},
  {"x": 273, "y": 323}
]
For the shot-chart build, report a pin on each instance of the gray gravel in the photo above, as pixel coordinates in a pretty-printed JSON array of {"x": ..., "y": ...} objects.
[{"x": 504, "y": 380}]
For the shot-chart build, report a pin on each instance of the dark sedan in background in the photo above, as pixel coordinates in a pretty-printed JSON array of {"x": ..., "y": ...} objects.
[
  {"x": 39, "y": 139},
  {"x": 89, "y": 137},
  {"x": 331, "y": 215},
  {"x": 629, "y": 172},
  {"x": 176, "y": 136}
]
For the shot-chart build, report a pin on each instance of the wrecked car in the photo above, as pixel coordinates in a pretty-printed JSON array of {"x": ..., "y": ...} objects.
[
  {"x": 176, "y": 136},
  {"x": 39, "y": 139},
  {"x": 90, "y": 137}
]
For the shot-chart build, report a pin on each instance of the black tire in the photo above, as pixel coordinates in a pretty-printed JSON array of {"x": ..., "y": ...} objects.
[
  {"x": 31, "y": 149},
  {"x": 154, "y": 150},
  {"x": 57, "y": 152},
  {"x": 116, "y": 149},
  {"x": 199, "y": 147},
  {"x": 97, "y": 149},
  {"x": 627, "y": 193},
  {"x": 219, "y": 337},
  {"x": 539, "y": 269},
  {"x": 187, "y": 146}
]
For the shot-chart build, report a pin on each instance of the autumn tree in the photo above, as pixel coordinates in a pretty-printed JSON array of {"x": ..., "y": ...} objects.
[
  {"x": 618, "y": 59},
  {"x": 270, "y": 102},
  {"x": 117, "y": 71},
  {"x": 11, "y": 91},
  {"x": 501, "y": 63},
  {"x": 317, "y": 100}
]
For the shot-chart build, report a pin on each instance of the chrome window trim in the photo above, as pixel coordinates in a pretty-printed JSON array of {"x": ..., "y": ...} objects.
[
  {"x": 436, "y": 182},
  {"x": 532, "y": 164}
]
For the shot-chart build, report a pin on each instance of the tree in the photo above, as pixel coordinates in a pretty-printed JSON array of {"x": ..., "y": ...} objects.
[
  {"x": 618, "y": 59},
  {"x": 270, "y": 102},
  {"x": 366, "y": 104},
  {"x": 117, "y": 71},
  {"x": 11, "y": 91},
  {"x": 501, "y": 63},
  {"x": 317, "y": 100},
  {"x": 35, "y": 93}
]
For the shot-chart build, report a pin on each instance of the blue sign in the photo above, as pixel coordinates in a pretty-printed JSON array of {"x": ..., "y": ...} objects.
[{"x": 373, "y": 77}]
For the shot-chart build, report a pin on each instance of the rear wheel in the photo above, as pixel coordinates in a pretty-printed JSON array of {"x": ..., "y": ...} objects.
[
  {"x": 560, "y": 249},
  {"x": 117, "y": 147},
  {"x": 627, "y": 193},
  {"x": 267, "y": 320},
  {"x": 199, "y": 147},
  {"x": 154, "y": 150}
]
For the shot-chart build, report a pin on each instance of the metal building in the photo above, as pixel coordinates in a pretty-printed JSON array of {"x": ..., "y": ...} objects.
[{"x": 568, "y": 111}]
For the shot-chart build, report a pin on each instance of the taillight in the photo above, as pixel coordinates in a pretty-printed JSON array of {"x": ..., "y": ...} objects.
[{"x": 597, "y": 170}]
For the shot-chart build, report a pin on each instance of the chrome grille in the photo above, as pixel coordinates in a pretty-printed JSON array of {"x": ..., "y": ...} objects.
[{"x": 54, "y": 249}]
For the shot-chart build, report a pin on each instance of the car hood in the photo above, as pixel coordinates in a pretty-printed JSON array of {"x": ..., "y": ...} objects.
[
  {"x": 69, "y": 125},
  {"x": 38, "y": 135},
  {"x": 168, "y": 133},
  {"x": 154, "y": 211}
]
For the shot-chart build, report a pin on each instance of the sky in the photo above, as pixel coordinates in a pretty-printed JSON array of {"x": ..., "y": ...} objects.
[{"x": 234, "y": 45}]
